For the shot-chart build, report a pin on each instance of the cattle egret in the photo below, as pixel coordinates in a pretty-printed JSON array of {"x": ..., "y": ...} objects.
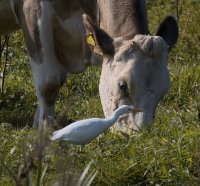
[{"x": 84, "y": 131}]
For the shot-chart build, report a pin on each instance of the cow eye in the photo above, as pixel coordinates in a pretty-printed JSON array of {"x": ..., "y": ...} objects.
[{"x": 123, "y": 87}]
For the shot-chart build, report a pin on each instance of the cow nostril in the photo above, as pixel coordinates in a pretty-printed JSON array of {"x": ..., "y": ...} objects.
[{"x": 154, "y": 116}]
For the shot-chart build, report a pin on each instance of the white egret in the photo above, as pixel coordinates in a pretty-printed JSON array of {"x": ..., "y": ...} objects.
[{"x": 84, "y": 131}]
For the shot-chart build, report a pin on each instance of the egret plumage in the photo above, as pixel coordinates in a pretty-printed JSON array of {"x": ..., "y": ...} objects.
[{"x": 84, "y": 131}]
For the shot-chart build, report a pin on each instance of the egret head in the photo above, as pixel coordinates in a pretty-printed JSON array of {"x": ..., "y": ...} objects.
[
  {"x": 124, "y": 109},
  {"x": 134, "y": 71}
]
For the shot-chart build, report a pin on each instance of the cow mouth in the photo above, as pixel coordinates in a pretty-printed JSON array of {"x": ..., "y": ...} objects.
[{"x": 132, "y": 122}]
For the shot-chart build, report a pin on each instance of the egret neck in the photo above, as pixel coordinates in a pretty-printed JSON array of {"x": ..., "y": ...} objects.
[{"x": 114, "y": 117}]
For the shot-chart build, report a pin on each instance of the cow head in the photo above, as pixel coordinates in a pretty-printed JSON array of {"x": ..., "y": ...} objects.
[{"x": 134, "y": 71}]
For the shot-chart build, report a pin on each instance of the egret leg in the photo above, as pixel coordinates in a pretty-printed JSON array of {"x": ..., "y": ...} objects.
[{"x": 81, "y": 147}]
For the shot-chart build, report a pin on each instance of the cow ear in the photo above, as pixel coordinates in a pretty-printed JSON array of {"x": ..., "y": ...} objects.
[
  {"x": 169, "y": 31},
  {"x": 100, "y": 41}
]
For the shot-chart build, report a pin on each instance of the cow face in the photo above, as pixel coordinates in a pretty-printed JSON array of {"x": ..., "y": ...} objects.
[{"x": 134, "y": 71}]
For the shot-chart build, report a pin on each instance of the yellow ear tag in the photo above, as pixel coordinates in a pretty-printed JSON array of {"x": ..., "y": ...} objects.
[{"x": 90, "y": 40}]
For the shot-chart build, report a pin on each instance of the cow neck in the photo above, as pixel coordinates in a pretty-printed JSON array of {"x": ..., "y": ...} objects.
[{"x": 120, "y": 18}]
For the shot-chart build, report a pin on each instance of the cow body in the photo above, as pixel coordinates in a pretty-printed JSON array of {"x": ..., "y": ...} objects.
[
  {"x": 55, "y": 32},
  {"x": 8, "y": 21}
]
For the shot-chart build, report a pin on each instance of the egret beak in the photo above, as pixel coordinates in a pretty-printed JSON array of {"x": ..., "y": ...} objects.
[{"x": 136, "y": 110}]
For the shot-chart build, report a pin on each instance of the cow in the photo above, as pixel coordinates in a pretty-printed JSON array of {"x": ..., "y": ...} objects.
[{"x": 134, "y": 63}]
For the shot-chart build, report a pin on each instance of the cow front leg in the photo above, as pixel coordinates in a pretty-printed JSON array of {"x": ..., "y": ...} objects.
[{"x": 36, "y": 20}]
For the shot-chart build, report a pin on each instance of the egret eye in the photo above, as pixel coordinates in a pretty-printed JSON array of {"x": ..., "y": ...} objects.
[{"x": 123, "y": 87}]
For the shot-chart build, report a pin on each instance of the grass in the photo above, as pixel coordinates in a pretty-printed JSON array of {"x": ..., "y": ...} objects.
[{"x": 166, "y": 154}]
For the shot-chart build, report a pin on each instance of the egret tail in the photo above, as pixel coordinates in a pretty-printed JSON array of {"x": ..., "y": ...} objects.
[{"x": 56, "y": 135}]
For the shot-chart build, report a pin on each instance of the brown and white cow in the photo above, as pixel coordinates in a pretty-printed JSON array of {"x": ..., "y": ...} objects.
[{"x": 134, "y": 66}]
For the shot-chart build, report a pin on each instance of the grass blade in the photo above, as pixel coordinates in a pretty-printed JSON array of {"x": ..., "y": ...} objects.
[{"x": 84, "y": 174}]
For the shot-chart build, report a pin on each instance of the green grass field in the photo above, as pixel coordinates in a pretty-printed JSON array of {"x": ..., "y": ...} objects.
[{"x": 166, "y": 154}]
